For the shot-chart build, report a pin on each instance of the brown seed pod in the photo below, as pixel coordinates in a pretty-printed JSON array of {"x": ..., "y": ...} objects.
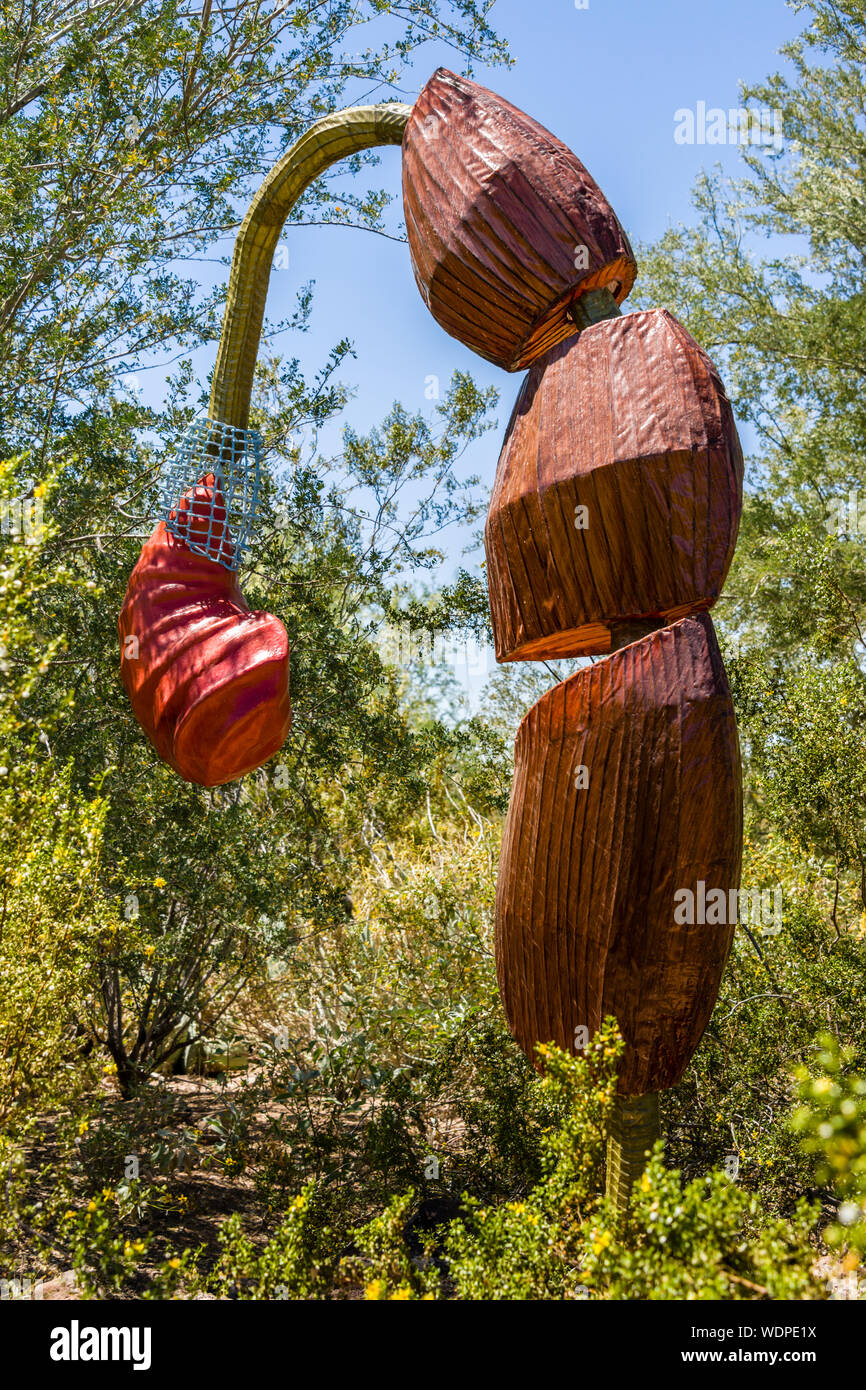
[
  {"x": 627, "y": 794},
  {"x": 618, "y": 492},
  {"x": 506, "y": 227}
]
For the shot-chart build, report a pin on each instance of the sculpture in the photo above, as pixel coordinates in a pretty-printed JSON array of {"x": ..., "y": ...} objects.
[
  {"x": 207, "y": 679},
  {"x": 612, "y": 523},
  {"x": 611, "y": 528},
  {"x": 506, "y": 227},
  {"x": 618, "y": 491}
]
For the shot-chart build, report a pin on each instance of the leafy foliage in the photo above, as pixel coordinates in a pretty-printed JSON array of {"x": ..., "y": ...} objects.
[{"x": 333, "y": 912}]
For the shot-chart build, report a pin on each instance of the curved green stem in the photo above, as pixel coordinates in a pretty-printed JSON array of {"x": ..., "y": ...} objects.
[{"x": 330, "y": 139}]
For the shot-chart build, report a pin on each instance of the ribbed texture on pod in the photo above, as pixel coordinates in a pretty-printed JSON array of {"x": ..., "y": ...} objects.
[
  {"x": 506, "y": 226},
  {"x": 208, "y": 680},
  {"x": 585, "y": 904},
  {"x": 618, "y": 491}
]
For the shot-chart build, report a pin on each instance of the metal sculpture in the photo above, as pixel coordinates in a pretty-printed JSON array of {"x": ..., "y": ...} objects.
[
  {"x": 207, "y": 679},
  {"x": 613, "y": 520},
  {"x": 618, "y": 492},
  {"x": 506, "y": 227},
  {"x": 626, "y": 787},
  {"x": 611, "y": 528}
]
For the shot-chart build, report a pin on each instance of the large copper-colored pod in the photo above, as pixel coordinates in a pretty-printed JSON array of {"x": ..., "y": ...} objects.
[
  {"x": 506, "y": 227},
  {"x": 618, "y": 491},
  {"x": 627, "y": 795}
]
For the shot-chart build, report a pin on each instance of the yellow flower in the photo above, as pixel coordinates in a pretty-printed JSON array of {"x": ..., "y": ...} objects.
[
  {"x": 83, "y": 1126},
  {"x": 402, "y": 1295},
  {"x": 601, "y": 1242},
  {"x": 159, "y": 883},
  {"x": 174, "y": 1264},
  {"x": 645, "y": 1183},
  {"x": 374, "y": 1290}
]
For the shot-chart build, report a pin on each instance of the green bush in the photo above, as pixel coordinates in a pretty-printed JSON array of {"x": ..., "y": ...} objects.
[{"x": 831, "y": 1122}]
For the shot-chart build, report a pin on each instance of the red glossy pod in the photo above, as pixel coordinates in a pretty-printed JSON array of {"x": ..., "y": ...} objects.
[
  {"x": 207, "y": 678},
  {"x": 627, "y": 795},
  {"x": 618, "y": 491},
  {"x": 506, "y": 227}
]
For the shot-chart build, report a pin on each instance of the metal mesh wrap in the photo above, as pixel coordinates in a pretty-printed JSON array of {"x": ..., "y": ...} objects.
[{"x": 216, "y": 518}]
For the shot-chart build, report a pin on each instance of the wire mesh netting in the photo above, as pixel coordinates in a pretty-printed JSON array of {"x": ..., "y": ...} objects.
[{"x": 210, "y": 490}]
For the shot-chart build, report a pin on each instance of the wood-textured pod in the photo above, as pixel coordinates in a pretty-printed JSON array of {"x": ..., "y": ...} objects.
[
  {"x": 618, "y": 491},
  {"x": 506, "y": 227},
  {"x": 593, "y": 861},
  {"x": 207, "y": 678}
]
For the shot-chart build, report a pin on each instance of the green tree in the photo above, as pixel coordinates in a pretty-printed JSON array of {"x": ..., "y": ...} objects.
[
  {"x": 134, "y": 135},
  {"x": 786, "y": 321},
  {"x": 54, "y": 919},
  {"x": 771, "y": 281}
]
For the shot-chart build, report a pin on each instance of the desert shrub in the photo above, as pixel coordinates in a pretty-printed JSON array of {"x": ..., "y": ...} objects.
[
  {"x": 136, "y": 1137},
  {"x": 54, "y": 918},
  {"x": 296, "y": 1263},
  {"x": 703, "y": 1239},
  {"x": 735, "y": 1099},
  {"x": 831, "y": 1123}
]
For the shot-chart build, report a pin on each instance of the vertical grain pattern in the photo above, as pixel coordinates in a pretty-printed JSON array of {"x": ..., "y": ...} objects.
[
  {"x": 496, "y": 208},
  {"x": 585, "y": 903},
  {"x": 631, "y": 420}
]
